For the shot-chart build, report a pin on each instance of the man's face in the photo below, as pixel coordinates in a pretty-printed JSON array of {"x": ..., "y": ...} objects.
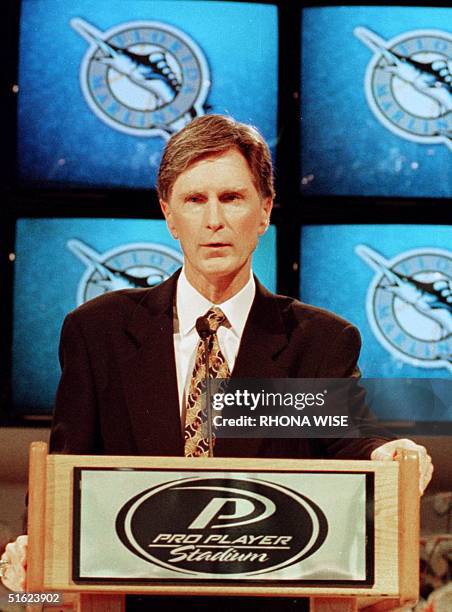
[{"x": 217, "y": 213}]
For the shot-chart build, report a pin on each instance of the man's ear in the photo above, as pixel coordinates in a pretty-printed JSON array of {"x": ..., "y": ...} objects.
[
  {"x": 166, "y": 210},
  {"x": 266, "y": 209}
]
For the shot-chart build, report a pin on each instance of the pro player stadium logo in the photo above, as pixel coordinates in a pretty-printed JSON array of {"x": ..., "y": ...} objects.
[
  {"x": 217, "y": 528},
  {"x": 128, "y": 266},
  {"x": 409, "y": 304},
  {"x": 144, "y": 78},
  {"x": 408, "y": 83}
]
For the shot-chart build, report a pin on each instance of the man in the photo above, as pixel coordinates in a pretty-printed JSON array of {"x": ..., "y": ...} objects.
[{"x": 129, "y": 357}]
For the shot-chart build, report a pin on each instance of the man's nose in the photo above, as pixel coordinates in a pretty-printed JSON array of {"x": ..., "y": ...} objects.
[{"x": 214, "y": 214}]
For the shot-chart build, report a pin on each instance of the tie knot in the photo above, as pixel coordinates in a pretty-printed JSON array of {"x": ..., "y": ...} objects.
[{"x": 216, "y": 318}]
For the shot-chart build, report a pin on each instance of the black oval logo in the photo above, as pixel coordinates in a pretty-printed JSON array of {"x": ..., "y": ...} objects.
[{"x": 214, "y": 527}]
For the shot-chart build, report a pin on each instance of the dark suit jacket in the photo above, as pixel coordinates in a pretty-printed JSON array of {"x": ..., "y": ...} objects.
[{"x": 118, "y": 389}]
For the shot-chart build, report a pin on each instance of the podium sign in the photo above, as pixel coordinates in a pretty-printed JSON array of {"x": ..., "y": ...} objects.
[
  {"x": 144, "y": 525},
  {"x": 344, "y": 533}
]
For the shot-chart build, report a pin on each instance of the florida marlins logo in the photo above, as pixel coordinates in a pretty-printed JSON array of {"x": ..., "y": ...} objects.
[
  {"x": 129, "y": 266},
  {"x": 409, "y": 305},
  {"x": 144, "y": 78},
  {"x": 409, "y": 83}
]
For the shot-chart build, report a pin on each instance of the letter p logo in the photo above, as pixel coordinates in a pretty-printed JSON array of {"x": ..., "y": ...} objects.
[{"x": 252, "y": 505}]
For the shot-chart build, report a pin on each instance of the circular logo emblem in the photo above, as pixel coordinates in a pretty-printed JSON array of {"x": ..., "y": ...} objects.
[
  {"x": 409, "y": 305},
  {"x": 215, "y": 527},
  {"x": 129, "y": 266},
  {"x": 409, "y": 83},
  {"x": 144, "y": 78}
]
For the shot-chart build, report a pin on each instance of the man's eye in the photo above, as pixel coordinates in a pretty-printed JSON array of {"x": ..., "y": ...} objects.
[
  {"x": 195, "y": 199},
  {"x": 231, "y": 197}
]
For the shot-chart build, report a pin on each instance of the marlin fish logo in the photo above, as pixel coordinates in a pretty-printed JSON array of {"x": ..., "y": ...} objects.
[
  {"x": 419, "y": 288},
  {"x": 432, "y": 299},
  {"x": 131, "y": 266},
  {"x": 409, "y": 83},
  {"x": 149, "y": 71},
  {"x": 111, "y": 279},
  {"x": 434, "y": 79},
  {"x": 145, "y": 78}
]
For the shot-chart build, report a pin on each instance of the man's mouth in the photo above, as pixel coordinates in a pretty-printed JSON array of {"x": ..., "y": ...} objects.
[{"x": 216, "y": 245}]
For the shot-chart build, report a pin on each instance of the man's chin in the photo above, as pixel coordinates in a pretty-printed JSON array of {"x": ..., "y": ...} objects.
[
  {"x": 213, "y": 272},
  {"x": 216, "y": 268}
]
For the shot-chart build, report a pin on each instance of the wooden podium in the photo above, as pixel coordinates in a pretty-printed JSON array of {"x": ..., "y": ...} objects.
[{"x": 391, "y": 536}]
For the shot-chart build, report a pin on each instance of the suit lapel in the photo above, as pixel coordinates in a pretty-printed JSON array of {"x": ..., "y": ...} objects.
[
  {"x": 149, "y": 374},
  {"x": 264, "y": 339}
]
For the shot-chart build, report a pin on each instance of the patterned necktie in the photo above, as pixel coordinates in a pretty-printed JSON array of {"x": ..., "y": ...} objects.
[{"x": 196, "y": 440}]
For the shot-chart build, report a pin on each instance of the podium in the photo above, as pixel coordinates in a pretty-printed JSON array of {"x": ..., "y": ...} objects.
[{"x": 344, "y": 533}]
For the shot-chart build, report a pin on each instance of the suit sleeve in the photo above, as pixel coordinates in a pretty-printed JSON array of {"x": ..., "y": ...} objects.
[
  {"x": 75, "y": 425},
  {"x": 340, "y": 361}
]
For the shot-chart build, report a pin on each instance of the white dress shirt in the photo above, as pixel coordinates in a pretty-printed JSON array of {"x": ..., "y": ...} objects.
[{"x": 191, "y": 305}]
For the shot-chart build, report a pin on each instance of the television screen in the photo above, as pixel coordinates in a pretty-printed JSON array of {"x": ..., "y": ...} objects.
[
  {"x": 376, "y": 100},
  {"x": 103, "y": 85},
  {"x": 394, "y": 282},
  {"x": 61, "y": 263}
]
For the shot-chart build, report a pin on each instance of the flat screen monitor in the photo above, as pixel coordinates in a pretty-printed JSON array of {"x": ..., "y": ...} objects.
[
  {"x": 103, "y": 84},
  {"x": 394, "y": 282},
  {"x": 376, "y": 101},
  {"x": 61, "y": 263}
]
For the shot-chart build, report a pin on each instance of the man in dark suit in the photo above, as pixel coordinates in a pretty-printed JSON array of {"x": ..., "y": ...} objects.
[
  {"x": 129, "y": 357},
  {"x": 118, "y": 391},
  {"x": 124, "y": 382}
]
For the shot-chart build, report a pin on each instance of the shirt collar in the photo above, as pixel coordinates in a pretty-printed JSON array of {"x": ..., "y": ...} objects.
[{"x": 191, "y": 305}]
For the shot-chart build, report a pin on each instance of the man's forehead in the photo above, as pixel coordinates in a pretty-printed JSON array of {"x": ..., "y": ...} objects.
[
  {"x": 239, "y": 175},
  {"x": 214, "y": 156}
]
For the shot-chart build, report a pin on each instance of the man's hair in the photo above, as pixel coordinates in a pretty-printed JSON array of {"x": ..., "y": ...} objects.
[{"x": 208, "y": 136}]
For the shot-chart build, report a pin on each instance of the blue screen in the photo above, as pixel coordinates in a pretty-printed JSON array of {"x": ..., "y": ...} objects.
[
  {"x": 376, "y": 98},
  {"x": 102, "y": 85},
  {"x": 61, "y": 263},
  {"x": 394, "y": 282}
]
